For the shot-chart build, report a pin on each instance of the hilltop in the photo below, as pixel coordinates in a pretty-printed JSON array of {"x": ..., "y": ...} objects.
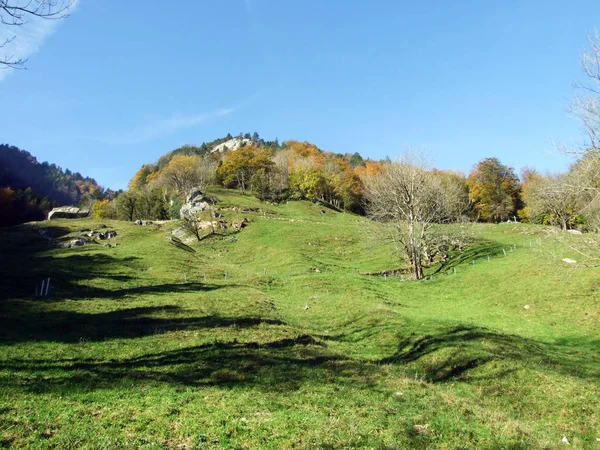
[
  {"x": 231, "y": 144},
  {"x": 290, "y": 333}
]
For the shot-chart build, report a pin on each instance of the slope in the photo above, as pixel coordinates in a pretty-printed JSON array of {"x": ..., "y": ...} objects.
[{"x": 275, "y": 337}]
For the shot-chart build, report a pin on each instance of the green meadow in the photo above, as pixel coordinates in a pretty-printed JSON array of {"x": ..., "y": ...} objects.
[{"x": 286, "y": 335}]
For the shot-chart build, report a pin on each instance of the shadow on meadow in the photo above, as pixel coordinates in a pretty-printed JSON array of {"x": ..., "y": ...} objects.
[
  {"x": 466, "y": 348},
  {"x": 278, "y": 365},
  {"x": 474, "y": 253},
  {"x": 460, "y": 354},
  {"x": 23, "y": 271},
  {"x": 39, "y": 324}
]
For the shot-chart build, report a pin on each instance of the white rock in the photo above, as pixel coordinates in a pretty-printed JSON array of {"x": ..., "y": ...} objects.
[
  {"x": 231, "y": 144},
  {"x": 569, "y": 261}
]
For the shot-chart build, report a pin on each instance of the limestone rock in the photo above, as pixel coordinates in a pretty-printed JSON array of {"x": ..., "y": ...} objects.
[
  {"x": 195, "y": 202},
  {"x": 238, "y": 225},
  {"x": 68, "y": 212},
  {"x": 77, "y": 242},
  {"x": 107, "y": 235},
  {"x": 231, "y": 144}
]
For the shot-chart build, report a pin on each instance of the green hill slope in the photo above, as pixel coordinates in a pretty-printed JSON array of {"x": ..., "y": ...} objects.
[{"x": 277, "y": 337}]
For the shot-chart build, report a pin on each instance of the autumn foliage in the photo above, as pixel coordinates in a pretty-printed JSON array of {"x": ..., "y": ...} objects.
[{"x": 494, "y": 189}]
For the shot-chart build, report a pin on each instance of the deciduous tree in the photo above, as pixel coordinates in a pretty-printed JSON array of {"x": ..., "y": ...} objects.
[
  {"x": 183, "y": 173},
  {"x": 412, "y": 200},
  {"x": 494, "y": 190},
  {"x": 240, "y": 165}
]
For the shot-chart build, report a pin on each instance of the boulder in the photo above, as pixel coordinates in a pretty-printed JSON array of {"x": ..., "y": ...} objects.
[
  {"x": 107, "y": 235},
  {"x": 74, "y": 243},
  {"x": 195, "y": 202},
  {"x": 238, "y": 225},
  {"x": 68, "y": 212}
]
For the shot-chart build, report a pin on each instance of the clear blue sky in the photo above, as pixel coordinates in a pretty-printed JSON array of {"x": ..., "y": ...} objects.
[{"x": 119, "y": 83}]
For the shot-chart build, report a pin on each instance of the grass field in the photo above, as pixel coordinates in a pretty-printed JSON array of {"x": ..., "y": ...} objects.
[{"x": 148, "y": 344}]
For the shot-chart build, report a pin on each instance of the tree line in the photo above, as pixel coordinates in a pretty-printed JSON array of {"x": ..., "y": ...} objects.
[
  {"x": 293, "y": 170},
  {"x": 29, "y": 189}
]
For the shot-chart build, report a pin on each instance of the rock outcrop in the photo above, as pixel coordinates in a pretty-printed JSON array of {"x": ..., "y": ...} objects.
[
  {"x": 195, "y": 202},
  {"x": 231, "y": 144},
  {"x": 68, "y": 212}
]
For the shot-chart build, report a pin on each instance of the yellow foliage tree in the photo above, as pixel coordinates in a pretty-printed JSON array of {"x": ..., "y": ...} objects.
[
  {"x": 183, "y": 173},
  {"x": 240, "y": 165}
]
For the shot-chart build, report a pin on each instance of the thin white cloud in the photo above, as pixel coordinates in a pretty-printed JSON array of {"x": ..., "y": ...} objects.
[
  {"x": 20, "y": 42},
  {"x": 163, "y": 127}
]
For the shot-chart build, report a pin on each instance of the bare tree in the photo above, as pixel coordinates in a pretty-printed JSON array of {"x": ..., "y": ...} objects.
[
  {"x": 412, "y": 200},
  {"x": 585, "y": 173},
  {"x": 553, "y": 199},
  {"x": 17, "y": 13},
  {"x": 585, "y": 181}
]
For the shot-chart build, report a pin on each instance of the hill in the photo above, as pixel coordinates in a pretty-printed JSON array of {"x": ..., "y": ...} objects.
[
  {"x": 29, "y": 189},
  {"x": 288, "y": 335}
]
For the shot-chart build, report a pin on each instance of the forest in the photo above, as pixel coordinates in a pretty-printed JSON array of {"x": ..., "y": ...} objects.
[{"x": 30, "y": 189}]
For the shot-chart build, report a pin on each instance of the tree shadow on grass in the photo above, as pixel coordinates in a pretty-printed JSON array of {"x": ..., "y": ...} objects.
[
  {"x": 461, "y": 354},
  {"x": 24, "y": 271},
  {"x": 277, "y": 365},
  {"x": 464, "y": 349},
  {"x": 40, "y": 324},
  {"x": 479, "y": 252}
]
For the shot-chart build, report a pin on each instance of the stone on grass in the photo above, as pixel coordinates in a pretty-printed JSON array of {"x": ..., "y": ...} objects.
[
  {"x": 68, "y": 212},
  {"x": 195, "y": 202}
]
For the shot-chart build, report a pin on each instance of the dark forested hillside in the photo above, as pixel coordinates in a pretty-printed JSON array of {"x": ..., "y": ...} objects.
[{"x": 29, "y": 189}]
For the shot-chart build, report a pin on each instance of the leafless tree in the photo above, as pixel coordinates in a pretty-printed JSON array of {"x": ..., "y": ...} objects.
[
  {"x": 585, "y": 180},
  {"x": 208, "y": 171},
  {"x": 553, "y": 199},
  {"x": 411, "y": 199},
  {"x": 585, "y": 173},
  {"x": 17, "y": 13}
]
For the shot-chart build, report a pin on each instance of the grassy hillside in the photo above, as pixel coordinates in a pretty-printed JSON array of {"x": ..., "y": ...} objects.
[{"x": 156, "y": 345}]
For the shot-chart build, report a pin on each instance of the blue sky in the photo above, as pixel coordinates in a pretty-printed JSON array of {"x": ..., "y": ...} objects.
[{"x": 119, "y": 83}]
